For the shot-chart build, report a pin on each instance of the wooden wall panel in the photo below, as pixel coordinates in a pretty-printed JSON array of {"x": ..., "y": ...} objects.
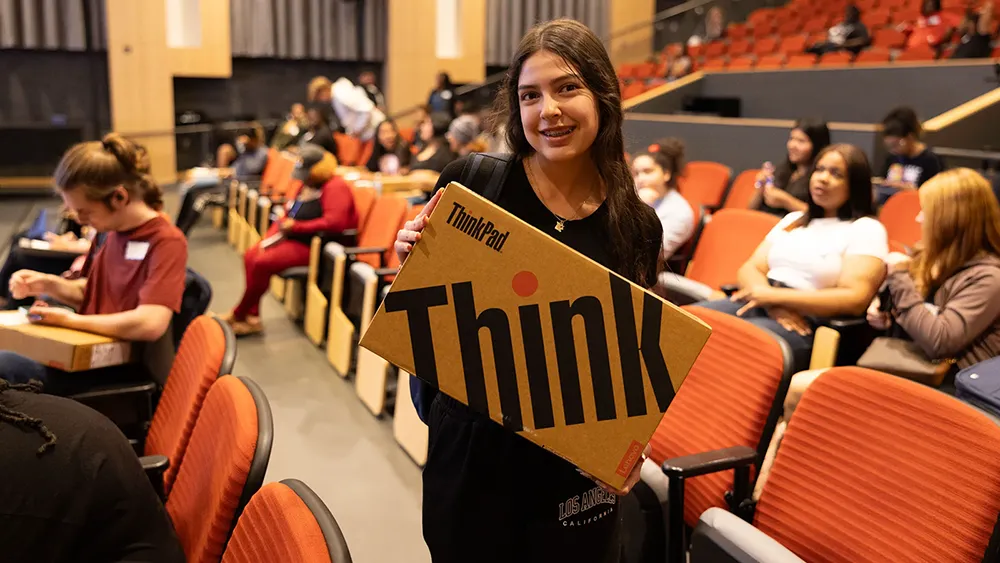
[
  {"x": 214, "y": 58},
  {"x": 637, "y": 45},
  {"x": 139, "y": 79}
]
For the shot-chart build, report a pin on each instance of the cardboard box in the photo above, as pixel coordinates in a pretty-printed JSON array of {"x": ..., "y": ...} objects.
[
  {"x": 604, "y": 359},
  {"x": 60, "y": 348}
]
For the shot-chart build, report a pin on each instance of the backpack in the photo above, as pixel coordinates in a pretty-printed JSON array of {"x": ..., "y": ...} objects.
[
  {"x": 979, "y": 385},
  {"x": 484, "y": 173}
]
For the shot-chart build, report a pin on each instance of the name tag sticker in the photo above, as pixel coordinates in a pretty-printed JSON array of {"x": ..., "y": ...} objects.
[{"x": 136, "y": 250}]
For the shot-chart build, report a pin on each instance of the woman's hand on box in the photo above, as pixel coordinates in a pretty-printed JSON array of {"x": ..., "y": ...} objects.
[{"x": 410, "y": 233}]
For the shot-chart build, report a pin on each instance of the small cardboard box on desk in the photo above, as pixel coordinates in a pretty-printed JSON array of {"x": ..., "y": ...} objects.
[
  {"x": 544, "y": 340},
  {"x": 60, "y": 348}
]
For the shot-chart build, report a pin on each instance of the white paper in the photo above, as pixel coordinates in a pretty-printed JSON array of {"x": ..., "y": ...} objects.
[
  {"x": 104, "y": 355},
  {"x": 13, "y": 318}
]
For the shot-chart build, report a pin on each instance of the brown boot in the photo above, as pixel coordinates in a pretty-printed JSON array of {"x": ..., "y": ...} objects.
[{"x": 248, "y": 327}]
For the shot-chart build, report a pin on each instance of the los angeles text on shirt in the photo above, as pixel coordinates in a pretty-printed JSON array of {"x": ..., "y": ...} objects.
[
  {"x": 632, "y": 347},
  {"x": 476, "y": 228}
]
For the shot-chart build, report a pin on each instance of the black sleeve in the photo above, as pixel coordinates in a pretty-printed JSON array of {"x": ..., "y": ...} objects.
[
  {"x": 884, "y": 171},
  {"x": 931, "y": 167},
  {"x": 127, "y": 520}
]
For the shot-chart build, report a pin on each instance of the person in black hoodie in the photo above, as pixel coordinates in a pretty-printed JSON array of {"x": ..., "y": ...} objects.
[
  {"x": 319, "y": 131},
  {"x": 436, "y": 153},
  {"x": 391, "y": 152},
  {"x": 489, "y": 494}
]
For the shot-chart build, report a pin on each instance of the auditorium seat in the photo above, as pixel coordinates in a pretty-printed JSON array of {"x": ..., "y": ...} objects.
[
  {"x": 801, "y": 61},
  {"x": 704, "y": 183},
  {"x": 899, "y": 217},
  {"x": 207, "y": 352},
  {"x": 714, "y": 64},
  {"x": 287, "y": 522},
  {"x": 375, "y": 248},
  {"x": 871, "y": 468},
  {"x": 872, "y": 56},
  {"x": 308, "y": 280},
  {"x": 763, "y": 29},
  {"x": 921, "y": 53},
  {"x": 715, "y": 49},
  {"x": 875, "y": 20},
  {"x": 632, "y": 90},
  {"x": 348, "y": 149},
  {"x": 765, "y": 46},
  {"x": 790, "y": 27},
  {"x": 726, "y": 242},
  {"x": 816, "y": 24},
  {"x": 739, "y": 48},
  {"x": 888, "y": 39},
  {"x": 366, "y": 288},
  {"x": 223, "y": 467},
  {"x": 840, "y": 58},
  {"x": 717, "y": 417},
  {"x": 741, "y": 63},
  {"x": 771, "y": 62},
  {"x": 906, "y": 15},
  {"x": 743, "y": 191},
  {"x": 736, "y": 32},
  {"x": 793, "y": 45}
]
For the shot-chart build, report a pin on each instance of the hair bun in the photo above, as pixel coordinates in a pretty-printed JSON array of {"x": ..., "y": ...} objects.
[{"x": 123, "y": 150}]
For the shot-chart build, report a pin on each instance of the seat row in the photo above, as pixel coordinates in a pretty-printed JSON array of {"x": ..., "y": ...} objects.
[{"x": 206, "y": 454}]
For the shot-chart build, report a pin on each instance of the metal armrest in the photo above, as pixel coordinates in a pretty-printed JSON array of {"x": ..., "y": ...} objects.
[
  {"x": 844, "y": 322},
  {"x": 155, "y": 467},
  {"x": 355, "y": 250},
  {"x": 680, "y": 290},
  {"x": 383, "y": 272},
  {"x": 721, "y": 537},
  {"x": 709, "y": 462},
  {"x": 678, "y": 469},
  {"x": 114, "y": 390}
]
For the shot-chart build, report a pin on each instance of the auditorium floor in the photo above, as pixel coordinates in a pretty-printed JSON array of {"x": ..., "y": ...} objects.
[{"x": 323, "y": 435}]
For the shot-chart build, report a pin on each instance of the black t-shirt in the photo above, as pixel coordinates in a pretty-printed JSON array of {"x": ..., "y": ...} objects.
[
  {"x": 915, "y": 170},
  {"x": 85, "y": 499},
  {"x": 491, "y": 495},
  {"x": 323, "y": 137},
  {"x": 437, "y": 162},
  {"x": 973, "y": 46},
  {"x": 797, "y": 188}
]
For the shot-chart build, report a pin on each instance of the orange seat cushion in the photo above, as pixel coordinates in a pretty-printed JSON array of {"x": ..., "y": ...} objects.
[
  {"x": 724, "y": 402},
  {"x": 208, "y": 487},
  {"x": 277, "y": 526},
  {"x": 875, "y": 468}
]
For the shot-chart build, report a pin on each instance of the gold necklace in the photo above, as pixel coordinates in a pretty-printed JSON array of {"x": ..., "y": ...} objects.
[{"x": 560, "y": 222}]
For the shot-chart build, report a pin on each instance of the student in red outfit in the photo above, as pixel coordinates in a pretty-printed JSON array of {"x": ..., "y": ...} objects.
[
  {"x": 324, "y": 205},
  {"x": 131, "y": 286},
  {"x": 933, "y": 28}
]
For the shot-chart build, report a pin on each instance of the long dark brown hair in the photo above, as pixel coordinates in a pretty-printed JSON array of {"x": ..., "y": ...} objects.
[{"x": 635, "y": 233}]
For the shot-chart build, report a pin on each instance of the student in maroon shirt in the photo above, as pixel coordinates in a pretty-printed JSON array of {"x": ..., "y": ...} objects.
[
  {"x": 131, "y": 286},
  {"x": 324, "y": 205}
]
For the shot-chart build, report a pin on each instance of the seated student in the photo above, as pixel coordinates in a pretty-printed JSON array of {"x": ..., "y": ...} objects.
[
  {"x": 823, "y": 262},
  {"x": 442, "y": 97},
  {"x": 391, "y": 151},
  {"x": 910, "y": 161},
  {"x": 73, "y": 489},
  {"x": 318, "y": 130},
  {"x": 131, "y": 286},
  {"x": 946, "y": 297},
  {"x": 933, "y": 28},
  {"x": 324, "y": 205},
  {"x": 711, "y": 29},
  {"x": 249, "y": 164},
  {"x": 67, "y": 236},
  {"x": 288, "y": 134},
  {"x": 355, "y": 110},
  {"x": 975, "y": 34},
  {"x": 656, "y": 172},
  {"x": 786, "y": 189},
  {"x": 463, "y": 136},
  {"x": 436, "y": 153},
  {"x": 848, "y": 35},
  {"x": 677, "y": 66}
]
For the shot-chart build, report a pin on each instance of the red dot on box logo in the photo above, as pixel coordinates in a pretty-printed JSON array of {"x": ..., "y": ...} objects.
[{"x": 524, "y": 283}]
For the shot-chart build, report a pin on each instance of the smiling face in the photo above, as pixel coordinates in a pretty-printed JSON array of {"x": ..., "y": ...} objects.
[
  {"x": 828, "y": 185},
  {"x": 558, "y": 112},
  {"x": 800, "y": 147}
]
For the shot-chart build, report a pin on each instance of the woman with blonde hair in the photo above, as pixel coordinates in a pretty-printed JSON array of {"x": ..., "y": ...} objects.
[{"x": 946, "y": 298}]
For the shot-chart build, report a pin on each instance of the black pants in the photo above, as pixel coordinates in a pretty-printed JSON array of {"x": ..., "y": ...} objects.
[
  {"x": 187, "y": 215},
  {"x": 492, "y": 496}
]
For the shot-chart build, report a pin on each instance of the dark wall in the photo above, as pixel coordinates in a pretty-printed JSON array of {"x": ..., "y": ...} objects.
[
  {"x": 852, "y": 95},
  {"x": 737, "y": 145},
  {"x": 259, "y": 88},
  {"x": 978, "y": 131},
  {"x": 672, "y": 101},
  {"x": 38, "y": 87}
]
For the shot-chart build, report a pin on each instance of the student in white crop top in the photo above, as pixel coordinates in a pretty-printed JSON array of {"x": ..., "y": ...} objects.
[{"x": 826, "y": 262}]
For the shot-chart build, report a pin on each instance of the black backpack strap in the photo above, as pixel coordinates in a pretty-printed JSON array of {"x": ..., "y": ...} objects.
[{"x": 485, "y": 173}]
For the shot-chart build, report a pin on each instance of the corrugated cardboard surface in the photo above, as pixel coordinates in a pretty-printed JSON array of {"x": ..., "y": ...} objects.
[
  {"x": 479, "y": 269},
  {"x": 62, "y": 348}
]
